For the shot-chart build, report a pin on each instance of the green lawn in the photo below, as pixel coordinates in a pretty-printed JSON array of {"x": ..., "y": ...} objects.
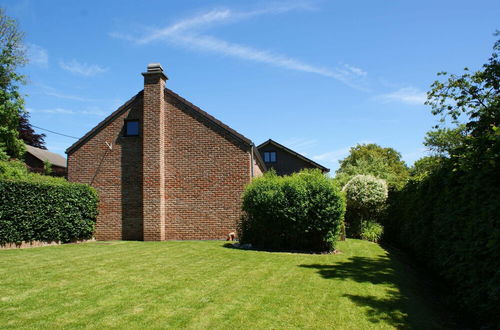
[{"x": 202, "y": 284}]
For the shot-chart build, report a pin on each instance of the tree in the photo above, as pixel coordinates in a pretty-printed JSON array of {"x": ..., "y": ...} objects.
[
  {"x": 444, "y": 141},
  {"x": 372, "y": 159},
  {"x": 27, "y": 133},
  {"x": 12, "y": 55},
  {"x": 472, "y": 102}
]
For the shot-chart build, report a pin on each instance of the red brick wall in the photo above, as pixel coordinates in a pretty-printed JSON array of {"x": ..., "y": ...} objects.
[
  {"x": 205, "y": 177},
  {"x": 117, "y": 176}
]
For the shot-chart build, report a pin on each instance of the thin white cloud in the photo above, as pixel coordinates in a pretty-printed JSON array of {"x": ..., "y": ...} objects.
[
  {"x": 82, "y": 69},
  {"x": 300, "y": 144},
  {"x": 185, "y": 33},
  {"x": 407, "y": 95},
  {"x": 37, "y": 55},
  {"x": 50, "y": 91},
  {"x": 333, "y": 156},
  {"x": 92, "y": 111}
]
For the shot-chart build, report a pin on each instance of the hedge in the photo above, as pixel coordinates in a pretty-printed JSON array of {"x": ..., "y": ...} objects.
[
  {"x": 450, "y": 221},
  {"x": 303, "y": 211},
  {"x": 46, "y": 211}
]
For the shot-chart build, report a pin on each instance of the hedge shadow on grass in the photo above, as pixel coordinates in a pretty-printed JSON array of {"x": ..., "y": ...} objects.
[{"x": 401, "y": 305}]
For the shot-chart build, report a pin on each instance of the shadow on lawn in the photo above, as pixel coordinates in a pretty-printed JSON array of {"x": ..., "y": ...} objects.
[{"x": 393, "y": 307}]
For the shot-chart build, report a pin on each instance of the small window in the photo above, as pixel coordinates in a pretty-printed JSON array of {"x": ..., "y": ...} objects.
[
  {"x": 270, "y": 156},
  {"x": 131, "y": 128}
]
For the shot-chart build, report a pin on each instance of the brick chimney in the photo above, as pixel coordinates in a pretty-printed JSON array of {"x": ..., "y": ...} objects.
[{"x": 153, "y": 159}]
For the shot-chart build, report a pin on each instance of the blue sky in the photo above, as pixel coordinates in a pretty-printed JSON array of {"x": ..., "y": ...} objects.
[{"x": 316, "y": 76}]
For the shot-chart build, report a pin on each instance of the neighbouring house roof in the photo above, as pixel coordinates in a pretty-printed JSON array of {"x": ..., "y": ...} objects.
[
  {"x": 45, "y": 155},
  {"x": 178, "y": 99},
  {"x": 296, "y": 154}
]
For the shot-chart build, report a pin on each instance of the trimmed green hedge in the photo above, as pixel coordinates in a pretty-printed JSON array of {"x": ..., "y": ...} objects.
[
  {"x": 303, "y": 211},
  {"x": 450, "y": 220},
  {"x": 46, "y": 211}
]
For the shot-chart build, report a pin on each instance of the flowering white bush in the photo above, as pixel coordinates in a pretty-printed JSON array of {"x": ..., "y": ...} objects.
[{"x": 366, "y": 193}]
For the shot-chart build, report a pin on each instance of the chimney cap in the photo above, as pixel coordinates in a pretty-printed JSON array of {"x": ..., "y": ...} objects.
[{"x": 155, "y": 67}]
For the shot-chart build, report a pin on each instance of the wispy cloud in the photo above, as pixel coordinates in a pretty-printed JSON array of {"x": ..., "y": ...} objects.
[
  {"x": 91, "y": 111},
  {"x": 37, "y": 55},
  {"x": 82, "y": 69},
  {"x": 186, "y": 33},
  {"x": 300, "y": 144},
  {"x": 407, "y": 95},
  {"x": 50, "y": 91},
  {"x": 333, "y": 156}
]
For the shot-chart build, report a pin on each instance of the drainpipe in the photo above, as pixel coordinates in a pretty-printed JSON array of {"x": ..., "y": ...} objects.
[{"x": 251, "y": 159}]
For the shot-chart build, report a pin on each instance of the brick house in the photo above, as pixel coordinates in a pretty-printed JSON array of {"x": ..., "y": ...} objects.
[
  {"x": 164, "y": 168},
  {"x": 35, "y": 158},
  {"x": 284, "y": 160}
]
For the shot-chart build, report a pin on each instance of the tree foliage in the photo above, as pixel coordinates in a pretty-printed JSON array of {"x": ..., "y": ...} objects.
[
  {"x": 444, "y": 141},
  {"x": 28, "y": 134},
  {"x": 425, "y": 166},
  {"x": 372, "y": 159},
  {"x": 12, "y": 55}
]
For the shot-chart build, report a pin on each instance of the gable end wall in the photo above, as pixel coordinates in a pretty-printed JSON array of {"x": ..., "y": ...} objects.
[{"x": 206, "y": 172}]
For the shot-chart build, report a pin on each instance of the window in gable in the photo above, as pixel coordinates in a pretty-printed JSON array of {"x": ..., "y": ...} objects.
[
  {"x": 270, "y": 156},
  {"x": 131, "y": 127}
]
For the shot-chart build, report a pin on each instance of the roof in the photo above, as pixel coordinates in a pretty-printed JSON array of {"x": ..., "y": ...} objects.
[
  {"x": 177, "y": 98},
  {"x": 296, "y": 154},
  {"x": 45, "y": 155}
]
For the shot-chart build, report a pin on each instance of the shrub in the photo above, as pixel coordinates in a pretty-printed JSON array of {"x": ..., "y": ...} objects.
[
  {"x": 14, "y": 169},
  {"x": 47, "y": 210},
  {"x": 366, "y": 196},
  {"x": 371, "y": 231},
  {"x": 303, "y": 211},
  {"x": 17, "y": 170}
]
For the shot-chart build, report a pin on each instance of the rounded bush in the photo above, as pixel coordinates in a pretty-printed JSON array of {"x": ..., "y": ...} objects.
[
  {"x": 366, "y": 192},
  {"x": 303, "y": 211},
  {"x": 366, "y": 196}
]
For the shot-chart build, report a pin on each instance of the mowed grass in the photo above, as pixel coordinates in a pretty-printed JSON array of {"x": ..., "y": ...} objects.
[{"x": 202, "y": 284}]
